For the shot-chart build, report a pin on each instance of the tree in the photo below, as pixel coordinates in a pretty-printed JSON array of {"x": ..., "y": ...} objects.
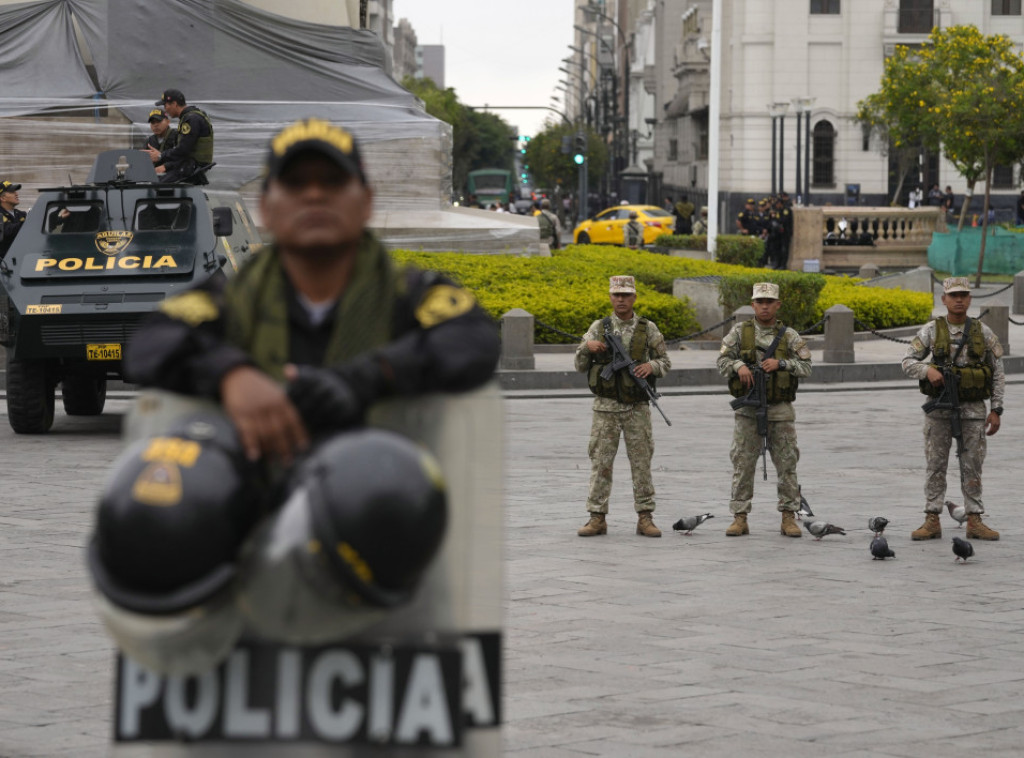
[
  {"x": 479, "y": 140},
  {"x": 550, "y": 166},
  {"x": 962, "y": 90}
]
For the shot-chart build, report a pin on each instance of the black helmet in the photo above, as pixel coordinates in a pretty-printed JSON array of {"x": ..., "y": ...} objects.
[
  {"x": 378, "y": 509},
  {"x": 172, "y": 518}
]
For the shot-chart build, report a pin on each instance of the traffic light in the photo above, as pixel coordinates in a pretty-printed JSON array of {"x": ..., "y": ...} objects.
[{"x": 580, "y": 156}]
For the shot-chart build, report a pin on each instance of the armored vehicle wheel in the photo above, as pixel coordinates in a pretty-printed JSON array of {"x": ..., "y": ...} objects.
[
  {"x": 84, "y": 394},
  {"x": 29, "y": 396},
  {"x": 583, "y": 239}
]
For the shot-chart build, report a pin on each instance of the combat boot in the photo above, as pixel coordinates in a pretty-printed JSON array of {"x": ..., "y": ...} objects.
[
  {"x": 738, "y": 526},
  {"x": 645, "y": 525},
  {"x": 789, "y": 526},
  {"x": 595, "y": 526},
  {"x": 931, "y": 529},
  {"x": 976, "y": 530}
]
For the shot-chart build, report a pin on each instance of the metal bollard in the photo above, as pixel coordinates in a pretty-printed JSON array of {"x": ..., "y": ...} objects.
[
  {"x": 517, "y": 341},
  {"x": 1018, "y": 292},
  {"x": 839, "y": 335},
  {"x": 998, "y": 320}
]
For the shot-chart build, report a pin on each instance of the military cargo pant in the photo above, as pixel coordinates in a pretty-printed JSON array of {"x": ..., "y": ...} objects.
[
  {"x": 938, "y": 439},
  {"x": 745, "y": 454},
  {"x": 605, "y": 431}
]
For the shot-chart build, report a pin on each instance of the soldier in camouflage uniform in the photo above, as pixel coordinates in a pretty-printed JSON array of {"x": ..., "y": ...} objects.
[
  {"x": 633, "y": 232},
  {"x": 742, "y": 348},
  {"x": 621, "y": 409},
  {"x": 975, "y": 352}
]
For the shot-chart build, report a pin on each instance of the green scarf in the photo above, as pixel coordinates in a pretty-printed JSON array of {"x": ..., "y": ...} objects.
[{"x": 256, "y": 308}]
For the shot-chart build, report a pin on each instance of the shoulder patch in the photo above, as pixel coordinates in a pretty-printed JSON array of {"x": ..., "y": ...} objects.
[
  {"x": 997, "y": 349},
  {"x": 917, "y": 345},
  {"x": 184, "y": 128},
  {"x": 193, "y": 308},
  {"x": 804, "y": 352},
  {"x": 443, "y": 302}
]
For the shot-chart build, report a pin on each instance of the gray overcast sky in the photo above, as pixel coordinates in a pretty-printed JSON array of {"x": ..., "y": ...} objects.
[{"x": 499, "y": 53}]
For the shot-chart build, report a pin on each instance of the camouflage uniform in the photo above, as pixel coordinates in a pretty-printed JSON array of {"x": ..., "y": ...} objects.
[
  {"x": 614, "y": 419},
  {"x": 633, "y": 234},
  {"x": 938, "y": 435},
  {"x": 746, "y": 443}
]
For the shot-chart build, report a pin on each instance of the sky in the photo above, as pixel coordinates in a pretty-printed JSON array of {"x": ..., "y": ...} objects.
[{"x": 498, "y": 53}]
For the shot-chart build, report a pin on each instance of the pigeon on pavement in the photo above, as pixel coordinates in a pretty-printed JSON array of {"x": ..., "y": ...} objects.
[
  {"x": 805, "y": 508},
  {"x": 958, "y": 512},
  {"x": 880, "y": 549},
  {"x": 687, "y": 524},
  {"x": 822, "y": 528},
  {"x": 962, "y": 549},
  {"x": 877, "y": 524}
]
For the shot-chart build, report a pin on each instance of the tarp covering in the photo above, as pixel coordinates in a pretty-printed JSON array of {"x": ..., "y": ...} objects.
[
  {"x": 957, "y": 252},
  {"x": 250, "y": 70}
]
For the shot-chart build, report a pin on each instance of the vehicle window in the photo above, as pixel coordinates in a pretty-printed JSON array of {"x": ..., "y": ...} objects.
[
  {"x": 162, "y": 215},
  {"x": 606, "y": 215},
  {"x": 656, "y": 212},
  {"x": 72, "y": 218}
]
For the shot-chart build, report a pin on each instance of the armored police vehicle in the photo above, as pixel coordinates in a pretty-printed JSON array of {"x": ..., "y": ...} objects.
[{"x": 89, "y": 263}]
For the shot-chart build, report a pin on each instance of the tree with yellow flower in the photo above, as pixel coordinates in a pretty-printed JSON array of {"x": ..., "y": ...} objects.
[{"x": 962, "y": 92}]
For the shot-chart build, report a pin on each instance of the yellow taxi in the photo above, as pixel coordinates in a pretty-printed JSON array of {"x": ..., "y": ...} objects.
[{"x": 606, "y": 226}]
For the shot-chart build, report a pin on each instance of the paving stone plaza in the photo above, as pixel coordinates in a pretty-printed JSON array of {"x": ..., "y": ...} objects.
[{"x": 628, "y": 646}]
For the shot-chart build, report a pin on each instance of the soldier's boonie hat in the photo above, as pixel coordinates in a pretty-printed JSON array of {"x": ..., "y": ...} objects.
[
  {"x": 156, "y": 115},
  {"x": 171, "y": 96},
  {"x": 956, "y": 284},
  {"x": 314, "y": 135},
  {"x": 632, "y": 214},
  {"x": 625, "y": 285},
  {"x": 703, "y": 210},
  {"x": 763, "y": 290},
  {"x": 9, "y": 187}
]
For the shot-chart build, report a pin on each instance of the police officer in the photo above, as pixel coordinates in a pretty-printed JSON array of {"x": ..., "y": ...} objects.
[
  {"x": 743, "y": 348},
  {"x": 11, "y": 217},
  {"x": 320, "y": 326},
  {"x": 621, "y": 408},
  {"x": 974, "y": 353},
  {"x": 194, "y": 146},
  {"x": 164, "y": 137},
  {"x": 747, "y": 219}
]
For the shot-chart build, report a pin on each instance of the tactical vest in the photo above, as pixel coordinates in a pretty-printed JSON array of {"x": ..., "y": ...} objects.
[
  {"x": 975, "y": 377},
  {"x": 782, "y": 385},
  {"x": 204, "y": 145},
  {"x": 634, "y": 233},
  {"x": 547, "y": 226},
  {"x": 621, "y": 386}
]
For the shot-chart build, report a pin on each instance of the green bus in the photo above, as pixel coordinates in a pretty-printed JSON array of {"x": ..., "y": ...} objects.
[{"x": 490, "y": 185}]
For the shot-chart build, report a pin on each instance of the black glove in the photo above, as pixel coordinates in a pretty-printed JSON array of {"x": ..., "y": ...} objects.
[{"x": 325, "y": 401}]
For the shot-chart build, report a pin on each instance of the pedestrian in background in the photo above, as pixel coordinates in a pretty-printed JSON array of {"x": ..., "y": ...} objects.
[
  {"x": 621, "y": 408},
  {"x": 550, "y": 228},
  {"x": 743, "y": 350},
  {"x": 633, "y": 232},
  {"x": 972, "y": 351},
  {"x": 683, "y": 211}
]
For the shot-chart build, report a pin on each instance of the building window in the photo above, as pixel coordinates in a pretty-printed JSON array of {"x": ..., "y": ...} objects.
[
  {"x": 824, "y": 6},
  {"x": 916, "y": 16},
  {"x": 673, "y": 149},
  {"x": 823, "y": 173},
  {"x": 700, "y": 122},
  {"x": 1005, "y": 7},
  {"x": 1002, "y": 177}
]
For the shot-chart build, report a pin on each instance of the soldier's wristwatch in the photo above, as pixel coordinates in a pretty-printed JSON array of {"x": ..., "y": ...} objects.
[
  {"x": 782, "y": 365},
  {"x": 998, "y": 411}
]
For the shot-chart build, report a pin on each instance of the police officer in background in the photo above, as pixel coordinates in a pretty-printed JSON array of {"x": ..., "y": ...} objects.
[
  {"x": 747, "y": 220},
  {"x": 744, "y": 348},
  {"x": 11, "y": 217},
  {"x": 163, "y": 137},
  {"x": 975, "y": 354},
  {"x": 318, "y": 327},
  {"x": 194, "y": 145}
]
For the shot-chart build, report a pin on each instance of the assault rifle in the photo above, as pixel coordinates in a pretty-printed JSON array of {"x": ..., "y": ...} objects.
[
  {"x": 949, "y": 400},
  {"x": 757, "y": 397},
  {"x": 622, "y": 361}
]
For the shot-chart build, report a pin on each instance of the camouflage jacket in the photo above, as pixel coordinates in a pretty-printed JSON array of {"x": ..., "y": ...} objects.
[
  {"x": 656, "y": 354},
  {"x": 798, "y": 362}
]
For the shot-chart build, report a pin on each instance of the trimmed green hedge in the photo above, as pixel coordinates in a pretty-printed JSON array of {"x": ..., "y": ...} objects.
[
  {"x": 735, "y": 249},
  {"x": 569, "y": 290}
]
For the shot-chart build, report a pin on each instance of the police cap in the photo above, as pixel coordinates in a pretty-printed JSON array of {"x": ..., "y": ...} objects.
[
  {"x": 7, "y": 186},
  {"x": 156, "y": 115},
  {"x": 314, "y": 135},
  {"x": 171, "y": 96}
]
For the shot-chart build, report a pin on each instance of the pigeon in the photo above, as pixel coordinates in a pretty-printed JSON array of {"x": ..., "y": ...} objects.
[
  {"x": 687, "y": 524},
  {"x": 805, "y": 508},
  {"x": 958, "y": 512},
  {"x": 822, "y": 528},
  {"x": 962, "y": 549},
  {"x": 877, "y": 524},
  {"x": 880, "y": 549}
]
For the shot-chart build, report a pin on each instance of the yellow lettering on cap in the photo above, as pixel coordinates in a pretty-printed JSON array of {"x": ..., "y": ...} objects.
[
  {"x": 45, "y": 263},
  {"x": 172, "y": 450},
  {"x": 312, "y": 129}
]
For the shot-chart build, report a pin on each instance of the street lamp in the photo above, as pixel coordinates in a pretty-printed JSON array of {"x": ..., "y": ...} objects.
[
  {"x": 778, "y": 111},
  {"x": 802, "y": 105}
]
